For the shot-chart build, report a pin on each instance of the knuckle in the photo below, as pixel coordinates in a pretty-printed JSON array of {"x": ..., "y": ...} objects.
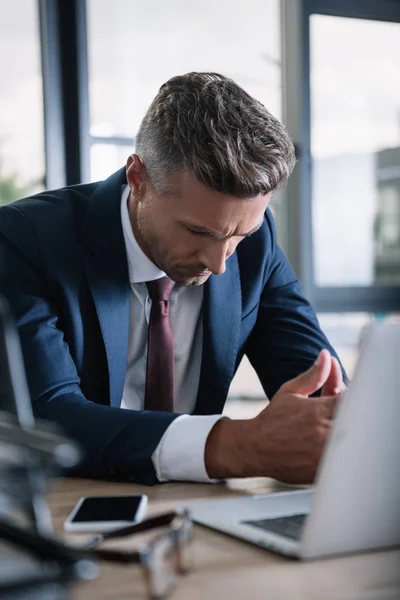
[
  {"x": 320, "y": 433},
  {"x": 284, "y": 388},
  {"x": 315, "y": 412}
]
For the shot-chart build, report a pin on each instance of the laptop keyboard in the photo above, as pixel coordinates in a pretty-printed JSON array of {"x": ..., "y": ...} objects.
[{"x": 290, "y": 527}]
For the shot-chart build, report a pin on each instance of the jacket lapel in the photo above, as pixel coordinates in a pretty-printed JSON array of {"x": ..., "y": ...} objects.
[
  {"x": 222, "y": 310},
  {"x": 106, "y": 271}
]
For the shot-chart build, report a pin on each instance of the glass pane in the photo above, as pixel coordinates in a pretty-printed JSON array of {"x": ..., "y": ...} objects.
[
  {"x": 22, "y": 162},
  {"x": 131, "y": 53},
  {"x": 106, "y": 159},
  {"x": 355, "y": 140}
]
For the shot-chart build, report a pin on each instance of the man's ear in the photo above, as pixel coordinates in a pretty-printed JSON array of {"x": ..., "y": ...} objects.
[{"x": 135, "y": 175}]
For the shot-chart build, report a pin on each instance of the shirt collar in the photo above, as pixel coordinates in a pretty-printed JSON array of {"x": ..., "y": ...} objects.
[{"x": 140, "y": 267}]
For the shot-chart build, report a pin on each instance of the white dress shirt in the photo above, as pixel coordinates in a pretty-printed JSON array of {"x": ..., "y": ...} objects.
[{"x": 180, "y": 452}]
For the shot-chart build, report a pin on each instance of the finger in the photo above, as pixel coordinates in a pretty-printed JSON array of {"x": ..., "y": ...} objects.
[
  {"x": 328, "y": 406},
  {"x": 312, "y": 380},
  {"x": 334, "y": 383}
]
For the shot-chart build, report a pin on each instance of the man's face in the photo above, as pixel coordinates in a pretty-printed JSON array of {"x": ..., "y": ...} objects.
[{"x": 191, "y": 232}]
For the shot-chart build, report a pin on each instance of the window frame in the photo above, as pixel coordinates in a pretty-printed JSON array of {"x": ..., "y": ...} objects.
[
  {"x": 63, "y": 33},
  {"x": 297, "y": 117}
]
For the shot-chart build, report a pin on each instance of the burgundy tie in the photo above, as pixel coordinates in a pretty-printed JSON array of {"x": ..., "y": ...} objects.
[{"x": 159, "y": 393}]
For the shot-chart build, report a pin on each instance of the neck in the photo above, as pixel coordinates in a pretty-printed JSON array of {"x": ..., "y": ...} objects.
[{"x": 132, "y": 212}]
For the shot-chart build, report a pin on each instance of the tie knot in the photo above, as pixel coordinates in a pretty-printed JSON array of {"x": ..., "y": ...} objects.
[{"x": 160, "y": 289}]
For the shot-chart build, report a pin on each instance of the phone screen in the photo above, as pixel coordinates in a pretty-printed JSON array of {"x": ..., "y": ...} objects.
[{"x": 113, "y": 508}]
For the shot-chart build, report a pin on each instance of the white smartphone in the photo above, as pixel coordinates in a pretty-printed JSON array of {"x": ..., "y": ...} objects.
[{"x": 98, "y": 514}]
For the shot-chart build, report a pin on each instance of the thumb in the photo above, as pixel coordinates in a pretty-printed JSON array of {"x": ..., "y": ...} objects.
[
  {"x": 312, "y": 380},
  {"x": 334, "y": 384}
]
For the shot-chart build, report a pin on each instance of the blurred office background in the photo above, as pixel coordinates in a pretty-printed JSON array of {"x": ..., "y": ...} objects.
[{"x": 76, "y": 77}]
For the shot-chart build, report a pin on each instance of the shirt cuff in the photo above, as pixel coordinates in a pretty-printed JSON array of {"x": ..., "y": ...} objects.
[{"x": 179, "y": 455}]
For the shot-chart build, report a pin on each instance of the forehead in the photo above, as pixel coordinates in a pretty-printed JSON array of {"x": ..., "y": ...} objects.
[{"x": 191, "y": 201}]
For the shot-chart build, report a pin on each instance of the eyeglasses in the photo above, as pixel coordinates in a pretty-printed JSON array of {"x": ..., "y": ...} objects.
[{"x": 163, "y": 559}]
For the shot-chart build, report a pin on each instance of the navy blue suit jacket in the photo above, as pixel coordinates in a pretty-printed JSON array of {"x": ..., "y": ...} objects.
[{"x": 63, "y": 268}]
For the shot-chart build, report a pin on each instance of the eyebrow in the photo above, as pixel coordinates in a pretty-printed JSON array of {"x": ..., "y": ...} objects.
[{"x": 218, "y": 236}]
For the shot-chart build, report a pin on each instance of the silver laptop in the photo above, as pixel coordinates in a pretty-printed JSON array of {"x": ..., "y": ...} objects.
[{"x": 355, "y": 504}]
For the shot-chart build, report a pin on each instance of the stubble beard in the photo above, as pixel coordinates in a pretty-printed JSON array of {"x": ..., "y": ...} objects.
[{"x": 176, "y": 275}]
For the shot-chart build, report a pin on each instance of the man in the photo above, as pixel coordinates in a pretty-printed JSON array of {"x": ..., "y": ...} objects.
[{"x": 135, "y": 365}]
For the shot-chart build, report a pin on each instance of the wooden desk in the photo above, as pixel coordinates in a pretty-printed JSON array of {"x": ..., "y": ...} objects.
[{"x": 226, "y": 568}]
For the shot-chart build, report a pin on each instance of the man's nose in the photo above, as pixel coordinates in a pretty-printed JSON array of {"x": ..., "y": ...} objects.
[{"x": 215, "y": 255}]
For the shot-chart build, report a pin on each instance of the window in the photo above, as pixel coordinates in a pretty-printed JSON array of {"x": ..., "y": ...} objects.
[
  {"x": 355, "y": 145},
  {"x": 107, "y": 158},
  {"x": 132, "y": 53},
  {"x": 22, "y": 159}
]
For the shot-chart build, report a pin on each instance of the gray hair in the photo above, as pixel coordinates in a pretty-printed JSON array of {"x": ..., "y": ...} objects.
[{"x": 207, "y": 124}]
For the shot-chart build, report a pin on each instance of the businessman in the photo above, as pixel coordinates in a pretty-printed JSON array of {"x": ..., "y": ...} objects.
[{"x": 137, "y": 297}]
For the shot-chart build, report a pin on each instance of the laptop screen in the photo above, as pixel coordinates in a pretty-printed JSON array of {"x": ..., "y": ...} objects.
[{"x": 14, "y": 393}]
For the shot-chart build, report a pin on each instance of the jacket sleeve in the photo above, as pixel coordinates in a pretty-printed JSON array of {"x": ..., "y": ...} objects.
[
  {"x": 287, "y": 336},
  {"x": 116, "y": 443}
]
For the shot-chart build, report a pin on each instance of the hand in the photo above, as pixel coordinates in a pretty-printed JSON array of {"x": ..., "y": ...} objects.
[
  {"x": 286, "y": 439},
  {"x": 334, "y": 384}
]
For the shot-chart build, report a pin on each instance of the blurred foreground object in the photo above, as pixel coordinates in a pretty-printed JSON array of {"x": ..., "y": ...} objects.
[{"x": 30, "y": 454}]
